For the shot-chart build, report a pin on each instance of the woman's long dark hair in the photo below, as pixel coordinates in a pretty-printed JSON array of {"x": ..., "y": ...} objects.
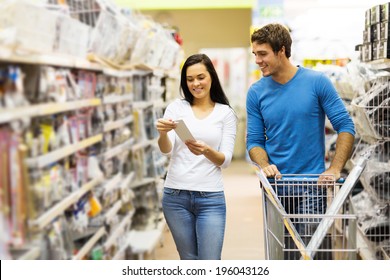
[{"x": 216, "y": 92}]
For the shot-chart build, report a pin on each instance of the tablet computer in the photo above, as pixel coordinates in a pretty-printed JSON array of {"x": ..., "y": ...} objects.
[{"x": 182, "y": 131}]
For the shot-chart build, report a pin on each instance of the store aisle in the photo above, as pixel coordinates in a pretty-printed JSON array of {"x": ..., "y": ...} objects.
[{"x": 244, "y": 233}]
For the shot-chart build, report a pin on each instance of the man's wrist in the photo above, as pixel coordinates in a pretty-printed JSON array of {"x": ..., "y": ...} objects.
[{"x": 263, "y": 163}]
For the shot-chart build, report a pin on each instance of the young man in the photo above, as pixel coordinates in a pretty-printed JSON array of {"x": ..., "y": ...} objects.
[{"x": 286, "y": 112}]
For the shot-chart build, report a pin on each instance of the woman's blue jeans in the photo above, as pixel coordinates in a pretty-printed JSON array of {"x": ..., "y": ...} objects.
[{"x": 197, "y": 222}]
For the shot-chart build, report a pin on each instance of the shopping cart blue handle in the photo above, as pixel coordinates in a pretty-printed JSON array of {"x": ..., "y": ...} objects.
[
  {"x": 272, "y": 180},
  {"x": 340, "y": 181}
]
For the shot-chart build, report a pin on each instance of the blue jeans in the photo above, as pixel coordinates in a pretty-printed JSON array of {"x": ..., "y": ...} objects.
[
  {"x": 197, "y": 222},
  {"x": 300, "y": 200}
]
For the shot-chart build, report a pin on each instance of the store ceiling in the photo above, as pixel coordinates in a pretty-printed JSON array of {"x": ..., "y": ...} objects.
[
  {"x": 292, "y": 8},
  {"x": 295, "y": 8},
  {"x": 184, "y": 5},
  {"x": 330, "y": 28}
]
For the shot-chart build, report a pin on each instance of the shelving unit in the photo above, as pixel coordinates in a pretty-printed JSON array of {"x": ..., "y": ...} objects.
[
  {"x": 30, "y": 254},
  {"x": 91, "y": 242},
  {"x": 57, "y": 155},
  {"x": 371, "y": 204},
  {"x": 58, "y": 209},
  {"x": 144, "y": 242},
  {"x": 98, "y": 167},
  {"x": 8, "y": 115}
]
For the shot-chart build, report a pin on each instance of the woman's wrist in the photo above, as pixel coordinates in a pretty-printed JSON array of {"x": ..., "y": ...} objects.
[
  {"x": 163, "y": 133},
  {"x": 206, "y": 150}
]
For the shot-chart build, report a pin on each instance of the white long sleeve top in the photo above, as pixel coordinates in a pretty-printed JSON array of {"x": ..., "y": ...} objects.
[{"x": 187, "y": 171}]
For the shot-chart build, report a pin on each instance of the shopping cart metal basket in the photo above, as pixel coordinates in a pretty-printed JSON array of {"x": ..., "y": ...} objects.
[{"x": 307, "y": 218}]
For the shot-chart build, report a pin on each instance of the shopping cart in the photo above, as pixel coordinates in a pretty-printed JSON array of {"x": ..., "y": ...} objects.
[{"x": 307, "y": 218}]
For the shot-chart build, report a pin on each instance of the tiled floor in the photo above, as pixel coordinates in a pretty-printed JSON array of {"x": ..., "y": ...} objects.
[{"x": 244, "y": 232}]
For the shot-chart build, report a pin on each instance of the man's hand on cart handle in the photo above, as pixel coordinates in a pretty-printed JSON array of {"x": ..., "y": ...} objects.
[
  {"x": 330, "y": 175},
  {"x": 271, "y": 170}
]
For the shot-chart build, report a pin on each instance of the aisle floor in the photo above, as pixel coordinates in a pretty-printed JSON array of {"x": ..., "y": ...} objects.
[{"x": 244, "y": 232}]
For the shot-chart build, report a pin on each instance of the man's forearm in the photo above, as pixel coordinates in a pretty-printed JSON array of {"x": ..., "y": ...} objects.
[
  {"x": 344, "y": 145},
  {"x": 259, "y": 156}
]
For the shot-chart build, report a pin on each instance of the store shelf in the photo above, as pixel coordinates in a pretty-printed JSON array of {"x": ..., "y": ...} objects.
[
  {"x": 128, "y": 180},
  {"x": 145, "y": 241},
  {"x": 380, "y": 64},
  {"x": 142, "y": 105},
  {"x": 114, "y": 98},
  {"x": 136, "y": 69},
  {"x": 59, "y": 154},
  {"x": 172, "y": 74},
  {"x": 99, "y": 73},
  {"x": 90, "y": 243},
  {"x": 161, "y": 161},
  {"x": 118, "y": 231},
  {"x": 160, "y": 104},
  {"x": 120, "y": 255},
  {"x": 140, "y": 69},
  {"x": 117, "y": 124},
  {"x": 118, "y": 73},
  {"x": 112, "y": 183},
  {"x": 385, "y": 253},
  {"x": 89, "y": 231},
  {"x": 144, "y": 69},
  {"x": 119, "y": 149},
  {"x": 61, "y": 60},
  {"x": 61, "y": 206},
  {"x": 113, "y": 211},
  {"x": 370, "y": 190},
  {"x": 39, "y": 110},
  {"x": 32, "y": 253},
  {"x": 365, "y": 250},
  {"x": 143, "y": 144},
  {"x": 143, "y": 182}
]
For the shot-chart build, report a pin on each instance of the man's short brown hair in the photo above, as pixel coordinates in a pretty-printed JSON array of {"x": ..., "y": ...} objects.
[{"x": 274, "y": 34}]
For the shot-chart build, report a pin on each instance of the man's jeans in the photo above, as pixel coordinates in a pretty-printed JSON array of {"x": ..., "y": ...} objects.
[
  {"x": 197, "y": 222},
  {"x": 305, "y": 200},
  {"x": 301, "y": 200}
]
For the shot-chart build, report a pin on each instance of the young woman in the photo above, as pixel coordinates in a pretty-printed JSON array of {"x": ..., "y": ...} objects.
[{"x": 194, "y": 201}]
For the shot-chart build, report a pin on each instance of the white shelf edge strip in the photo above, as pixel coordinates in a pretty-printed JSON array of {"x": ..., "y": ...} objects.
[
  {"x": 126, "y": 182},
  {"x": 117, "y": 124},
  {"x": 160, "y": 104},
  {"x": 56, "y": 59},
  {"x": 142, "y": 104},
  {"x": 31, "y": 254},
  {"x": 89, "y": 186},
  {"x": 161, "y": 161},
  {"x": 112, "y": 183},
  {"x": 118, "y": 73},
  {"x": 143, "y": 144},
  {"x": 113, "y": 98},
  {"x": 145, "y": 241},
  {"x": 112, "y": 238},
  {"x": 363, "y": 247},
  {"x": 112, "y": 211},
  {"x": 38, "y": 110},
  {"x": 143, "y": 182},
  {"x": 90, "y": 243},
  {"x": 118, "y": 149},
  {"x": 61, "y": 206},
  {"x": 142, "y": 72},
  {"x": 61, "y": 60},
  {"x": 54, "y": 156},
  {"x": 119, "y": 254}
]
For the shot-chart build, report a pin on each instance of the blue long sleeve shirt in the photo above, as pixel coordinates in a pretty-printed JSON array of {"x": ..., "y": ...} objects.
[{"x": 288, "y": 121}]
